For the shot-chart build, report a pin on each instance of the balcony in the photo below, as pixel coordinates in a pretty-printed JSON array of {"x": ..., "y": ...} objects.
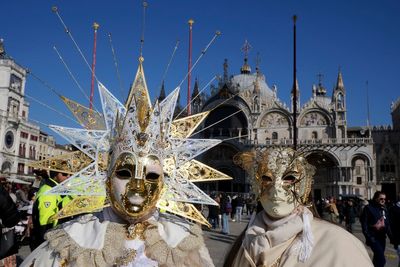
[
  {"x": 241, "y": 135},
  {"x": 315, "y": 142}
]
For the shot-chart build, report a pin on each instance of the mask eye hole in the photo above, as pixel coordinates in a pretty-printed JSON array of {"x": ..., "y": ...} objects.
[
  {"x": 289, "y": 179},
  {"x": 152, "y": 176},
  {"x": 123, "y": 174},
  {"x": 266, "y": 179}
]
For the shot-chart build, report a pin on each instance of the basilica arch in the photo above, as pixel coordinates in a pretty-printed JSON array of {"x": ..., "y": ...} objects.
[
  {"x": 315, "y": 117},
  {"x": 273, "y": 126},
  {"x": 327, "y": 173},
  {"x": 222, "y": 125},
  {"x": 361, "y": 174},
  {"x": 274, "y": 118}
]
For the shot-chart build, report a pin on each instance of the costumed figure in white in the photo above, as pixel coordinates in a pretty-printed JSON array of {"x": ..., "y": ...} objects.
[
  {"x": 285, "y": 232},
  {"x": 135, "y": 164}
]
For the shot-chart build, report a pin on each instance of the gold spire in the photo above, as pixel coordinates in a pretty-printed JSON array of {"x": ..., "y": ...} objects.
[
  {"x": 140, "y": 95},
  {"x": 96, "y": 26},
  {"x": 245, "y": 69}
]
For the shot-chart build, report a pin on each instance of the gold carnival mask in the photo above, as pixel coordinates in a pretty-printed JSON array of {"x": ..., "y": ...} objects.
[
  {"x": 135, "y": 179},
  {"x": 281, "y": 178},
  {"x": 135, "y": 185}
]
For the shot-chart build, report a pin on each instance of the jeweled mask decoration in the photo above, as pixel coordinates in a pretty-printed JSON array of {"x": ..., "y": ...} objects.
[{"x": 281, "y": 177}]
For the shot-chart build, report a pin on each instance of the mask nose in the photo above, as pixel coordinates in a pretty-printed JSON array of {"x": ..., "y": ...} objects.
[{"x": 136, "y": 185}]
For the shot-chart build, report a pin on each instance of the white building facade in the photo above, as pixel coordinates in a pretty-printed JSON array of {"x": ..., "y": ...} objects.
[
  {"x": 344, "y": 156},
  {"x": 21, "y": 141}
]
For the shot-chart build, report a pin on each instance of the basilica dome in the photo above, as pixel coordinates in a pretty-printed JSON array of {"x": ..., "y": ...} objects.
[{"x": 254, "y": 83}]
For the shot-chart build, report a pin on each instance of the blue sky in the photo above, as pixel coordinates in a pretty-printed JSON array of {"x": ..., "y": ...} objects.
[{"x": 360, "y": 37}]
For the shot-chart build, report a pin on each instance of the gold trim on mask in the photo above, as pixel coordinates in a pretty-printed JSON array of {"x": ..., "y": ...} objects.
[
  {"x": 195, "y": 171},
  {"x": 81, "y": 204},
  {"x": 184, "y": 127},
  {"x": 88, "y": 118},
  {"x": 70, "y": 163},
  {"x": 185, "y": 210}
]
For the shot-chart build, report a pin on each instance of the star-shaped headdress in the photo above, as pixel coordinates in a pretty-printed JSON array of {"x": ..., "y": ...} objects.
[{"x": 138, "y": 127}]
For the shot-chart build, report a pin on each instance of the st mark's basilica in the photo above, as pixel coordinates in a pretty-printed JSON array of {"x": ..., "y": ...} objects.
[{"x": 246, "y": 112}]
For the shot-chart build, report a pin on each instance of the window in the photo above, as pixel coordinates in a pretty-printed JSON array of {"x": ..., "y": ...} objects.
[
  {"x": 23, "y": 113},
  {"x": 387, "y": 165},
  {"x": 24, "y": 135},
  {"x": 21, "y": 168},
  {"x": 358, "y": 170},
  {"x": 34, "y": 138},
  {"x": 21, "y": 151},
  {"x": 32, "y": 152},
  {"x": 274, "y": 136},
  {"x": 359, "y": 180},
  {"x": 15, "y": 82},
  {"x": 340, "y": 103}
]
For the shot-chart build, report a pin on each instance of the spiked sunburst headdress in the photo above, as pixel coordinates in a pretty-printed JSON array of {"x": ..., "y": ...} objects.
[{"x": 138, "y": 127}]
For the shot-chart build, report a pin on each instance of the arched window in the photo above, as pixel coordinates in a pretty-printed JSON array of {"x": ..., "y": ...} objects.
[
  {"x": 387, "y": 165},
  {"x": 6, "y": 167},
  {"x": 339, "y": 103},
  {"x": 274, "y": 136}
]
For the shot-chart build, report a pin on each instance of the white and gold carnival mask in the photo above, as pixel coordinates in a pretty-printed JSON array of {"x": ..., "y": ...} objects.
[
  {"x": 280, "y": 177},
  {"x": 135, "y": 185}
]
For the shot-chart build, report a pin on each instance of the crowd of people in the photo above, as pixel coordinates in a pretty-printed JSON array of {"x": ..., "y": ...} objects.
[{"x": 231, "y": 208}]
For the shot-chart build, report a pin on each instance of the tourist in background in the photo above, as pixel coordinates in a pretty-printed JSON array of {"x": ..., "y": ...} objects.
[
  {"x": 394, "y": 218},
  {"x": 375, "y": 227},
  {"x": 331, "y": 210},
  {"x": 213, "y": 212},
  {"x": 226, "y": 209},
  {"x": 239, "y": 208},
  {"x": 9, "y": 217},
  {"x": 349, "y": 215}
]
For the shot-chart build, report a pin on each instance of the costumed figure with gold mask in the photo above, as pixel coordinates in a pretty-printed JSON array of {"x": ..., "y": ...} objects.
[
  {"x": 285, "y": 232},
  {"x": 141, "y": 160}
]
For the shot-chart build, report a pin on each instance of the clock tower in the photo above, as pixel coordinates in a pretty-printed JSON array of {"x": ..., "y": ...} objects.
[{"x": 18, "y": 136}]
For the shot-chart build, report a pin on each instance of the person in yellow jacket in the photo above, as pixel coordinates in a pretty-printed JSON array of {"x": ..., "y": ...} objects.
[{"x": 46, "y": 206}]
